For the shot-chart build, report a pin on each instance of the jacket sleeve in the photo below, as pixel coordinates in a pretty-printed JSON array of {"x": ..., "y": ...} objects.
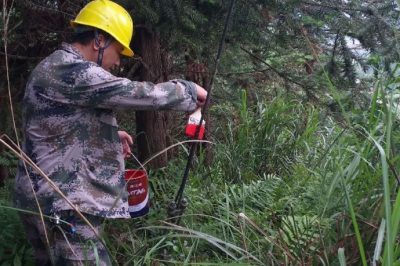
[{"x": 92, "y": 86}]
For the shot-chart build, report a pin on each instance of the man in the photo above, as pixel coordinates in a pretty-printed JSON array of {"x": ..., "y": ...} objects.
[{"x": 71, "y": 133}]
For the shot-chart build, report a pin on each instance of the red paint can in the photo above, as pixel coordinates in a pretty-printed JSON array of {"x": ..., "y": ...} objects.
[
  {"x": 193, "y": 124},
  {"x": 137, "y": 185}
]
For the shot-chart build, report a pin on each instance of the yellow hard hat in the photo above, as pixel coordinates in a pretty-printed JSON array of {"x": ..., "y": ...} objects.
[{"x": 109, "y": 17}]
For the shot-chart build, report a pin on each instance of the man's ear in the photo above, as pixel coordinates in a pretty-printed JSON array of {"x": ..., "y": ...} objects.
[{"x": 101, "y": 41}]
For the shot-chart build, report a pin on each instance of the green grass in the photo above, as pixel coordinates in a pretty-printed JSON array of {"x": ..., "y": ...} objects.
[{"x": 289, "y": 185}]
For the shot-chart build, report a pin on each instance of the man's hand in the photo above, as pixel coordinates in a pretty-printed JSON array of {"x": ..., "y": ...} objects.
[
  {"x": 126, "y": 141},
  {"x": 201, "y": 95}
]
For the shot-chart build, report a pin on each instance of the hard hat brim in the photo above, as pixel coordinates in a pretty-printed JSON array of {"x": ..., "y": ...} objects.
[{"x": 127, "y": 52}]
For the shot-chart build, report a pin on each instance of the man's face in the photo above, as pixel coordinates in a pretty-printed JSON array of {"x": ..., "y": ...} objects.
[{"x": 111, "y": 56}]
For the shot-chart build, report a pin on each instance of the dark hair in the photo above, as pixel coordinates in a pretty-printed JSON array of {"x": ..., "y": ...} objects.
[{"x": 84, "y": 35}]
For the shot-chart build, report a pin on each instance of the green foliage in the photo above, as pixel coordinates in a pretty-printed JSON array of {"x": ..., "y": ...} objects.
[
  {"x": 239, "y": 208},
  {"x": 287, "y": 185},
  {"x": 305, "y": 164},
  {"x": 266, "y": 137},
  {"x": 9, "y": 161},
  {"x": 14, "y": 248}
]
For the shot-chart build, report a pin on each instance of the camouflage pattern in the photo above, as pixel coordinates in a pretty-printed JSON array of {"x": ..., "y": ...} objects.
[
  {"x": 79, "y": 246},
  {"x": 71, "y": 132}
]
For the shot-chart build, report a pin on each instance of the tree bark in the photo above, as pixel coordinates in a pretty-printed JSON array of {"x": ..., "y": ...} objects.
[{"x": 150, "y": 125}]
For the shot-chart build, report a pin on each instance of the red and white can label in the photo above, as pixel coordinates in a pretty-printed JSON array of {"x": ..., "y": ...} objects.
[
  {"x": 193, "y": 124},
  {"x": 137, "y": 185}
]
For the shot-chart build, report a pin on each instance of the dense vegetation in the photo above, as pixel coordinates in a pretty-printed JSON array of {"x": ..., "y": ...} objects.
[{"x": 304, "y": 123}]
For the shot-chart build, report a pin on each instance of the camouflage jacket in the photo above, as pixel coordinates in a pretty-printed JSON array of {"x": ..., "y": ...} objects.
[{"x": 71, "y": 133}]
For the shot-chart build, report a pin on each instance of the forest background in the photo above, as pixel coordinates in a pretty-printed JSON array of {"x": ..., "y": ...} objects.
[{"x": 304, "y": 124}]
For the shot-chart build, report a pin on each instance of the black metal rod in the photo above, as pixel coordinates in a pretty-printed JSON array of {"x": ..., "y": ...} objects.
[{"x": 193, "y": 147}]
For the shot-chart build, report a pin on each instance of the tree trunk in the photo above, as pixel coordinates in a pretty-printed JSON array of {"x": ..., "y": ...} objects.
[{"x": 150, "y": 125}]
